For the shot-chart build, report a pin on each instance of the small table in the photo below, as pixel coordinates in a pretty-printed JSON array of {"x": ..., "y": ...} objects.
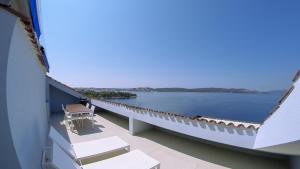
[{"x": 77, "y": 110}]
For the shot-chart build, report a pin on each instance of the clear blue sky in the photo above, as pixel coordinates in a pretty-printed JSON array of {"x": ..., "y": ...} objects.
[{"x": 251, "y": 44}]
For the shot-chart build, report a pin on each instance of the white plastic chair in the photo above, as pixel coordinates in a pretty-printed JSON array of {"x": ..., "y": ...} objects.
[
  {"x": 87, "y": 105},
  {"x": 68, "y": 118},
  {"x": 91, "y": 114}
]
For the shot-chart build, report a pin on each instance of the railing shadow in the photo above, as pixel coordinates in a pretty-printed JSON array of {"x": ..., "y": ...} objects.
[
  {"x": 114, "y": 118},
  {"x": 57, "y": 121},
  {"x": 214, "y": 154},
  {"x": 85, "y": 127}
]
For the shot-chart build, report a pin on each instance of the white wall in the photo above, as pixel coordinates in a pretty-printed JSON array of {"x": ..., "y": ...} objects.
[
  {"x": 230, "y": 135},
  {"x": 281, "y": 132},
  {"x": 136, "y": 126},
  {"x": 26, "y": 100},
  {"x": 118, "y": 110},
  {"x": 9, "y": 159}
]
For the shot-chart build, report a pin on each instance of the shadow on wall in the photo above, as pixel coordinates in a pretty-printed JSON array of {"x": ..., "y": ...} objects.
[
  {"x": 84, "y": 127},
  {"x": 114, "y": 118},
  {"x": 58, "y": 97}
]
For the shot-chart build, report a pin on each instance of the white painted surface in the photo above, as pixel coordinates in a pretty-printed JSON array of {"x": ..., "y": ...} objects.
[
  {"x": 62, "y": 142},
  {"x": 282, "y": 128},
  {"x": 60, "y": 159},
  {"x": 88, "y": 148},
  {"x": 26, "y": 100},
  {"x": 99, "y": 147},
  {"x": 133, "y": 160},
  {"x": 118, "y": 110},
  {"x": 240, "y": 137},
  {"x": 136, "y": 126}
]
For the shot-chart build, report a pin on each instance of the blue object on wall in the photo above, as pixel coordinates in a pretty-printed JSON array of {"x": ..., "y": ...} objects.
[
  {"x": 36, "y": 27},
  {"x": 35, "y": 19}
]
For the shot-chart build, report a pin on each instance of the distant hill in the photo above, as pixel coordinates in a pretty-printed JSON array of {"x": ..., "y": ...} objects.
[
  {"x": 106, "y": 94},
  {"x": 175, "y": 89},
  {"x": 206, "y": 90}
]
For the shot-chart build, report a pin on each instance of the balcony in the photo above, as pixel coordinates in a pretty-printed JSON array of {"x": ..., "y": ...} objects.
[{"x": 173, "y": 150}]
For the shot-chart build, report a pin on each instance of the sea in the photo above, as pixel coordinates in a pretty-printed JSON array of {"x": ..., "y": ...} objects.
[{"x": 233, "y": 106}]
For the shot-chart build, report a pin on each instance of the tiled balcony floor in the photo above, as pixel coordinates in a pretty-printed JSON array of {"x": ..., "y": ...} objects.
[{"x": 174, "y": 152}]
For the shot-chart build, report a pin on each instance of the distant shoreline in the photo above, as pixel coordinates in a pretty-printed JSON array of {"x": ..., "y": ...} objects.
[
  {"x": 106, "y": 94},
  {"x": 130, "y": 97},
  {"x": 196, "y": 90}
]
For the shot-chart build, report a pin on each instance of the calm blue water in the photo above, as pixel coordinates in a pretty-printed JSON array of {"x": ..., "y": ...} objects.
[{"x": 246, "y": 107}]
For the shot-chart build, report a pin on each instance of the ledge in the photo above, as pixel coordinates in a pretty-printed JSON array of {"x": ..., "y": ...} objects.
[
  {"x": 297, "y": 75},
  {"x": 284, "y": 96},
  {"x": 238, "y": 124}
]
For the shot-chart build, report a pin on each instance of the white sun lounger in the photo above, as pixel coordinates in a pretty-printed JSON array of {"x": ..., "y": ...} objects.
[
  {"x": 88, "y": 149},
  {"x": 133, "y": 160}
]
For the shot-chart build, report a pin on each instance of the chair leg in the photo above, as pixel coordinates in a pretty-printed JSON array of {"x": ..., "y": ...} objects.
[
  {"x": 82, "y": 121},
  {"x": 78, "y": 121},
  {"x": 92, "y": 119},
  {"x": 66, "y": 122},
  {"x": 71, "y": 126}
]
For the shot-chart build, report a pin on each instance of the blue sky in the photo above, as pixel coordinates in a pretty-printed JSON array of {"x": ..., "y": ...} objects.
[{"x": 172, "y": 43}]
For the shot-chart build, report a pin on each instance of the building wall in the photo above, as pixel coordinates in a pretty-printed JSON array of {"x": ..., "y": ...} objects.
[
  {"x": 8, "y": 157},
  {"x": 26, "y": 100},
  {"x": 280, "y": 132},
  {"x": 58, "y": 97}
]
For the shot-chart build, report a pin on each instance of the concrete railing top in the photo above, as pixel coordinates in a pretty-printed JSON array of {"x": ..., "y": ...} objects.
[{"x": 232, "y": 123}]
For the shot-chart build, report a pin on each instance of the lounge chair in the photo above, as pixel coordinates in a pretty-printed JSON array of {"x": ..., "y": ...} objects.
[
  {"x": 83, "y": 150},
  {"x": 133, "y": 160}
]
